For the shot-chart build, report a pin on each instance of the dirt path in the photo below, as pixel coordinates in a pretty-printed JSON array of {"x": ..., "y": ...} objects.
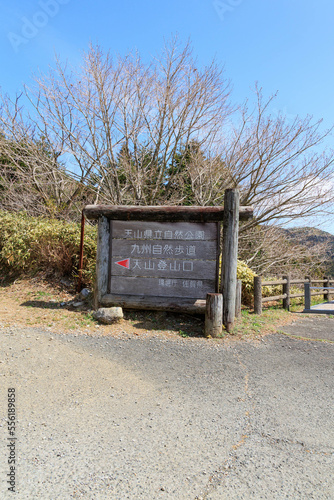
[
  {"x": 136, "y": 411},
  {"x": 107, "y": 417}
]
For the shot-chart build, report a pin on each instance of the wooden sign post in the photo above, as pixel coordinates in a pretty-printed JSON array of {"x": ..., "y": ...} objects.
[
  {"x": 164, "y": 258},
  {"x": 230, "y": 256}
]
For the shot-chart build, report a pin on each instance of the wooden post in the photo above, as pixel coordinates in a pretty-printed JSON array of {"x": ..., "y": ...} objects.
[
  {"x": 230, "y": 255},
  {"x": 286, "y": 289},
  {"x": 257, "y": 295},
  {"x": 214, "y": 315},
  {"x": 102, "y": 261},
  {"x": 329, "y": 291},
  {"x": 238, "y": 299},
  {"x": 326, "y": 292},
  {"x": 81, "y": 252},
  {"x": 307, "y": 296}
]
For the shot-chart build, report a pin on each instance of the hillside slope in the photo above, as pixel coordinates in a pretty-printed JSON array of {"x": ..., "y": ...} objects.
[{"x": 313, "y": 237}]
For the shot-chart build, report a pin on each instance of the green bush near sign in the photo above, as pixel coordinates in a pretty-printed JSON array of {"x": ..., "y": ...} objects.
[{"x": 29, "y": 244}]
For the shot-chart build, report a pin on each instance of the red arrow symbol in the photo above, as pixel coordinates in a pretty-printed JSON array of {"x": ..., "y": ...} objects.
[{"x": 124, "y": 263}]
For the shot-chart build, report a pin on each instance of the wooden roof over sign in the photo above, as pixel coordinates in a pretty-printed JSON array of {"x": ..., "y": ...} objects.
[{"x": 162, "y": 213}]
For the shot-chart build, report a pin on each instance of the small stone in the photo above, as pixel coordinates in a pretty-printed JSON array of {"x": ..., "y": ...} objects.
[
  {"x": 77, "y": 304},
  {"x": 66, "y": 282},
  {"x": 108, "y": 315},
  {"x": 85, "y": 292}
]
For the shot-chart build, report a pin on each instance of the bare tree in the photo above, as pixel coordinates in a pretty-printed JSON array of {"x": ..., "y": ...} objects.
[
  {"x": 198, "y": 177},
  {"x": 121, "y": 131},
  {"x": 270, "y": 251},
  {"x": 280, "y": 167},
  {"x": 31, "y": 176},
  {"x": 145, "y": 111}
]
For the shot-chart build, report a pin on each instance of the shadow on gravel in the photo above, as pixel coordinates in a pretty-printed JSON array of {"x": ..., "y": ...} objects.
[
  {"x": 42, "y": 304},
  {"x": 182, "y": 324}
]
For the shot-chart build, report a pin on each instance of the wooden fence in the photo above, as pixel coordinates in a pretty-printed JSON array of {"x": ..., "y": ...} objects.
[{"x": 286, "y": 294}]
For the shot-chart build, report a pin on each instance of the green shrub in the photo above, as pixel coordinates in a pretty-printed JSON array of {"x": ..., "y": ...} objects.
[
  {"x": 272, "y": 290},
  {"x": 246, "y": 275},
  {"x": 28, "y": 244}
]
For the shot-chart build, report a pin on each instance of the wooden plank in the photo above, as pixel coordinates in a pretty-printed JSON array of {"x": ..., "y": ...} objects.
[
  {"x": 218, "y": 256},
  {"x": 273, "y": 298},
  {"x": 273, "y": 283},
  {"x": 230, "y": 255},
  {"x": 295, "y": 295},
  {"x": 163, "y": 213},
  {"x": 162, "y": 287},
  {"x": 110, "y": 253},
  {"x": 154, "y": 303},
  {"x": 164, "y": 259},
  {"x": 165, "y": 249},
  {"x": 102, "y": 261},
  {"x": 175, "y": 231},
  {"x": 213, "y": 315}
]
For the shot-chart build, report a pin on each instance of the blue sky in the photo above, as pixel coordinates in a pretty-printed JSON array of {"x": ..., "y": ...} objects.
[{"x": 286, "y": 45}]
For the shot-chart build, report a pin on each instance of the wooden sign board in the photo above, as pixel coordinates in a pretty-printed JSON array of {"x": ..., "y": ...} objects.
[
  {"x": 163, "y": 259},
  {"x": 166, "y": 257}
]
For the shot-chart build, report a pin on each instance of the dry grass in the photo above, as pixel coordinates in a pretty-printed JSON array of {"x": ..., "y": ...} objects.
[{"x": 38, "y": 302}]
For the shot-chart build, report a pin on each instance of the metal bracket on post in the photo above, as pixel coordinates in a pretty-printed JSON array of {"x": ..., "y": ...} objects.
[
  {"x": 327, "y": 285},
  {"x": 286, "y": 291}
]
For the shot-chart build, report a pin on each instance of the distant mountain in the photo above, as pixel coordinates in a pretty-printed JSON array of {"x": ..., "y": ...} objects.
[{"x": 311, "y": 237}]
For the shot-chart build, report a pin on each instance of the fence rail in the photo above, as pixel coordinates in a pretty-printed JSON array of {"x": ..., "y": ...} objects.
[{"x": 286, "y": 295}]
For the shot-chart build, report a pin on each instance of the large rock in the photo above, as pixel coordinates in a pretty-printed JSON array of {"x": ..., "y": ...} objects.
[{"x": 108, "y": 315}]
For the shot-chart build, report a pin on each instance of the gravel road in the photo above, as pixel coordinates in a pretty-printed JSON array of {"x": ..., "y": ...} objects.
[{"x": 155, "y": 418}]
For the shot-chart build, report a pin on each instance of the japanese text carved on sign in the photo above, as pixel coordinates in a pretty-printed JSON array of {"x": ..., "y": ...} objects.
[{"x": 163, "y": 259}]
